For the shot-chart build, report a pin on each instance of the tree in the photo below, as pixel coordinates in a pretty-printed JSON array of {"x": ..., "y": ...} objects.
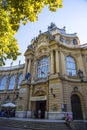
[{"x": 12, "y": 14}]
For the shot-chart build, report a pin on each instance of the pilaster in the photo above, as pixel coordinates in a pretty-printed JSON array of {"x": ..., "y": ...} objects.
[
  {"x": 29, "y": 65},
  {"x": 52, "y": 63},
  {"x": 25, "y": 68},
  {"x": 81, "y": 64},
  {"x": 57, "y": 60},
  {"x": 62, "y": 63}
]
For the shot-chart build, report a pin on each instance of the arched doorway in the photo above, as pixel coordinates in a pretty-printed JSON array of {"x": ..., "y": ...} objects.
[
  {"x": 40, "y": 105},
  {"x": 76, "y": 107}
]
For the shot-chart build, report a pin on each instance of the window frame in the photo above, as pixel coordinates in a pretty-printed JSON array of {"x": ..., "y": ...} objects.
[
  {"x": 19, "y": 80},
  {"x": 4, "y": 78},
  {"x": 71, "y": 66},
  {"x": 43, "y": 67},
  {"x": 12, "y": 82}
]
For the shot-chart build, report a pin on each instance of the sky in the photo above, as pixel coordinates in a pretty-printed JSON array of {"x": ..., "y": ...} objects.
[{"x": 73, "y": 16}]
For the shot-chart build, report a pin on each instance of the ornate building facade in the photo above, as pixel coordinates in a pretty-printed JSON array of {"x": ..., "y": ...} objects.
[{"x": 49, "y": 81}]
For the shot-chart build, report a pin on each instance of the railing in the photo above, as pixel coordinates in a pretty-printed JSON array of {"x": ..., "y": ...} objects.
[
  {"x": 41, "y": 79},
  {"x": 11, "y": 67}
]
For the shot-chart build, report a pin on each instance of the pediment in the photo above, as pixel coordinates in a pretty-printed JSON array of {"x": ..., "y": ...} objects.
[
  {"x": 42, "y": 38},
  {"x": 28, "y": 52}
]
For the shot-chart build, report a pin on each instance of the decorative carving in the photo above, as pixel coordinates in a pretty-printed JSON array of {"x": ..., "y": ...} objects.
[
  {"x": 39, "y": 89},
  {"x": 52, "y": 38},
  {"x": 30, "y": 46},
  {"x": 42, "y": 38},
  {"x": 20, "y": 107},
  {"x": 22, "y": 90},
  {"x": 52, "y": 25},
  {"x": 75, "y": 89},
  {"x": 55, "y": 107}
]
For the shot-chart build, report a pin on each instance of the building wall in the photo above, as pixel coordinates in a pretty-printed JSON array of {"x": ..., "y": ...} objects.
[
  {"x": 56, "y": 89},
  {"x": 6, "y": 94}
]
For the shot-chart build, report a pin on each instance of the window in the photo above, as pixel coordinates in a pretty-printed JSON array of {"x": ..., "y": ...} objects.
[
  {"x": 3, "y": 83},
  {"x": 43, "y": 68},
  {"x": 12, "y": 82},
  {"x": 61, "y": 39},
  {"x": 20, "y": 79},
  {"x": 70, "y": 66},
  {"x": 67, "y": 42},
  {"x": 75, "y": 42}
]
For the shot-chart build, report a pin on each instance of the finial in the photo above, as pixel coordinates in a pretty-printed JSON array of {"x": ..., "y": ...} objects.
[
  {"x": 11, "y": 63},
  {"x": 64, "y": 28},
  {"x": 19, "y": 62},
  {"x": 39, "y": 31},
  {"x": 75, "y": 33}
]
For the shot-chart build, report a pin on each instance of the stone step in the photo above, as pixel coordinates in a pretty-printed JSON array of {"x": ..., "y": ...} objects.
[
  {"x": 33, "y": 125},
  {"x": 79, "y": 125}
]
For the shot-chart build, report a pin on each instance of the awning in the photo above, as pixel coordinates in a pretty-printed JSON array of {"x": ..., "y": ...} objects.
[
  {"x": 38, "y": 98},
  {"x": 8, "y": 105}
]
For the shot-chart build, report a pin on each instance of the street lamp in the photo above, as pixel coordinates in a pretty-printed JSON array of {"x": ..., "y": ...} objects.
[
  {"x": 80, "y": 74},
  {"x": 54, "y": 95}
]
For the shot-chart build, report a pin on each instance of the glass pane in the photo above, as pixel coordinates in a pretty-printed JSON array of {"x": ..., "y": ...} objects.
[
  {"x": 70, "y": 66},
  {"x": 42, "y": 68},
  {"x": 12, "y": 82},
  {"x": 20, "y": 79},
  {"x": 3, "y": 83}
]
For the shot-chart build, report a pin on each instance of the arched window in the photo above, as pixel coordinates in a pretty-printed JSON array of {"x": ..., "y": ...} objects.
[
  {"x": 75, "y": 42},
  {"x": 61, "y": 39},
  {"x": 12, "y": 82},
  {"x": 43, "y": 68},
  {"x": 20, "y": 79},
  {"x": 3, "y": 83},
  {"x": 70, "y": 66}
]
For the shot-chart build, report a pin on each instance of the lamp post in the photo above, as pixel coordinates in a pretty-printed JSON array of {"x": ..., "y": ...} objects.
[
  {"x": 54, "y": 95},
  {"x": 80, "y": 75}
]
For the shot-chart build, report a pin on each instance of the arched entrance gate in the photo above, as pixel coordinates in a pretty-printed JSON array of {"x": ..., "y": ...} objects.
[
  {"x": 38, "y": 105},
  {"x": 76, "y": 107}
]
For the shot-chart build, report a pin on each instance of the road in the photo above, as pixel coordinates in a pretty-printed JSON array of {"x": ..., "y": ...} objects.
[{"x": 8, "y": 128}]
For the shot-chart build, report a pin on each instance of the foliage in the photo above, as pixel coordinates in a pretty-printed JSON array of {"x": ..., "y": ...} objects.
[
  {"x": 14, "y": 12},
  {"x": 8, "y": 44}
]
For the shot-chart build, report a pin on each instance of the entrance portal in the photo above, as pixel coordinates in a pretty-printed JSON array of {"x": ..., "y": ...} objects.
[
  {"x": 76, "y": 107},
  {"x": 40, "y": 109}
]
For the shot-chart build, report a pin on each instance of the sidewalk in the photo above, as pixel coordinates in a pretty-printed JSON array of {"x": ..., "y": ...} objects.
[
  {"x": 40, "y": 120},
  {"x": 29, "y": 119}
]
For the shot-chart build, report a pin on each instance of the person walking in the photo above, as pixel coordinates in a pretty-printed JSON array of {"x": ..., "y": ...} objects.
[
  {"x": 68, "y": 119},
  {"x": 39, "y": 113}
]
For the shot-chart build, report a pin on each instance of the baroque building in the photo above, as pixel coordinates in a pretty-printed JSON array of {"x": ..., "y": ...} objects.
[{"x": 49, "y": 80}]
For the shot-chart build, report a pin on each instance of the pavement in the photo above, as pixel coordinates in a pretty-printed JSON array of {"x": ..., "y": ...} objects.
[
  {"x": 7, "y": 128},
  {"x": 30, "y": 119},
  {"x": 40, "y": 120}
]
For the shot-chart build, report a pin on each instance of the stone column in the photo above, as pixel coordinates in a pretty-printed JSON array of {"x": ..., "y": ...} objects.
[
  {"x": 81, "y": 64},
  {"x": 25, "y": 68},
  {"x": 30, "y": 95},
  {"x": 62, "y": 63},
  {"x": 51, "y": 63},
  {"x": 61, "y": 84},
  {"x": 29, "y": 110},
  {"x": 29, "y": 65},
  {"x": 57, "y": 61}
]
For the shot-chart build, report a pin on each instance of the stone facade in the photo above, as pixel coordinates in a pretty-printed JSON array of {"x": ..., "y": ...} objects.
[{"x": 55, "y": 90}]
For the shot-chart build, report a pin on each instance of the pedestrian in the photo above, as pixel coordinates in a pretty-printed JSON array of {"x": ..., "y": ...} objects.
[
  {"x": 68, "y": 119},
  {"x": 39, "y": 113}
]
